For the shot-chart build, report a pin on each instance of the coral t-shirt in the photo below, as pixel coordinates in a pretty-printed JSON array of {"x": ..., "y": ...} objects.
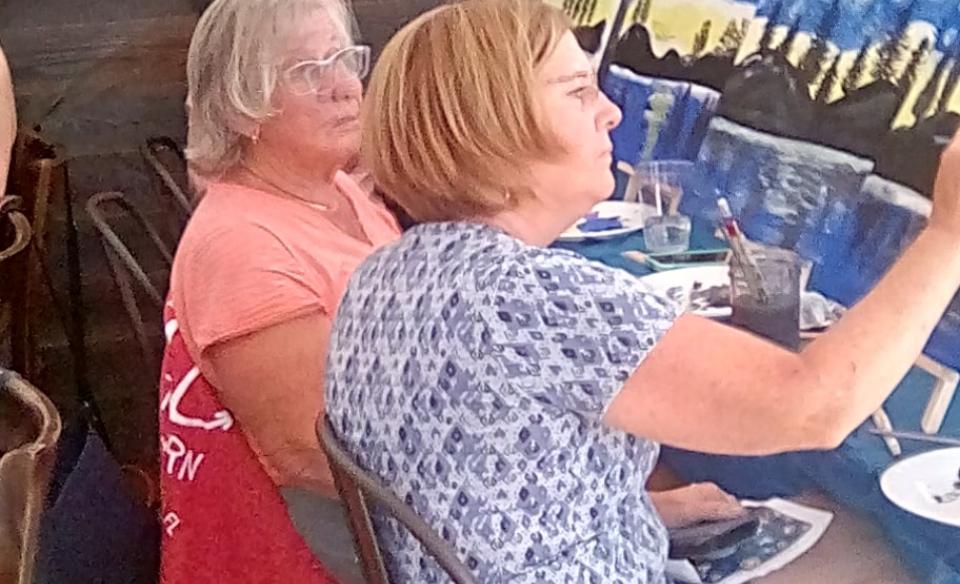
[{"x": 248, "y": 260}]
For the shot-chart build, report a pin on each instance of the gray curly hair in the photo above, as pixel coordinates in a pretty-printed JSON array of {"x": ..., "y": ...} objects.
[{"x": 232, "y": 71}]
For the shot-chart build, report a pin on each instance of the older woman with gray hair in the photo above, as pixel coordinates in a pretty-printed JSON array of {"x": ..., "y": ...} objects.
[{"x": 274, "y": 95}]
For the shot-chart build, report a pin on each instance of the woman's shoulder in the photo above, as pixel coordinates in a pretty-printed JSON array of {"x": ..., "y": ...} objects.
[
  {"x": 456, "y": 253},
  {"x": 233, "y": 214},
  {"x": 231, "y": 226}
]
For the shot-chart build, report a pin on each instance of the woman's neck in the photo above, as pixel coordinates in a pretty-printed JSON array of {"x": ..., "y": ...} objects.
[
  {"x": 534, "y": 223},
  {"x": 312, "y": 183}
]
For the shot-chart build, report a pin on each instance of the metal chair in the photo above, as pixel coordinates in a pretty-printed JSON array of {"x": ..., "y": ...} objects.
[
  {"x": 124, "y": 265},
  {"x": 15, "y": 233},
  {"x": 29, "y": 430},
  {"x": 39, "y": 179},
  {"x": 360, "y": 492},
  {"x": 154, "y": 151}
]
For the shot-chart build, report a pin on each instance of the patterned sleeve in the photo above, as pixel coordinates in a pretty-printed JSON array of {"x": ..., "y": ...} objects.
[{"x": 569, "y": 332}]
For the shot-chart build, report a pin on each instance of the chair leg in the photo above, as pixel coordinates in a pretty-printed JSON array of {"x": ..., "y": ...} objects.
[
  {"x": 76, "y": 326},
  {"x": 358, "y": 515},
  {"x": 129, "y": 299}
]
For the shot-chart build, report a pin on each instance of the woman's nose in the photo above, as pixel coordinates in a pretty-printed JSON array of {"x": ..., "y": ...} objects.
[
  {"x": 610, "y": 114},
  {"x": 348, "y": 88}
]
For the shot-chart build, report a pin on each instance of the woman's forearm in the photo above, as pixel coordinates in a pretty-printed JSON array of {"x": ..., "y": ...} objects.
[
  {"x": 713, "y": 388},
  {"x": 853, "y": 366}
]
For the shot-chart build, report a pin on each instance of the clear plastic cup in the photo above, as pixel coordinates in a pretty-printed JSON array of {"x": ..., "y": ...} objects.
[
  {"x": 665, "y": 180},
  {"x": 666, "y": 233}
]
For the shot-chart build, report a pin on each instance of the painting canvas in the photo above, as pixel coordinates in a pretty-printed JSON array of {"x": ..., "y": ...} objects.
[{"x": 822, "y": 121}]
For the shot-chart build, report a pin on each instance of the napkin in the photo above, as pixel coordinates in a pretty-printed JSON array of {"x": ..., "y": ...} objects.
[{"x": 593, "y": 222}]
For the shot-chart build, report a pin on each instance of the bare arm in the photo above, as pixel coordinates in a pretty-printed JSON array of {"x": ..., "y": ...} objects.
[
  {"x": 713, "y": 388},
  {"x": 272, "y": 381},
  {"x": 8, "y": 121}
]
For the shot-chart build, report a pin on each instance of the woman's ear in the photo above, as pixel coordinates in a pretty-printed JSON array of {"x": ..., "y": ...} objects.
[{"x": 247, "y": 127}]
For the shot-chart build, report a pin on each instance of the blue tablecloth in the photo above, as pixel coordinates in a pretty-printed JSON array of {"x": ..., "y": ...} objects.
[{"x": 848, "y": 474}]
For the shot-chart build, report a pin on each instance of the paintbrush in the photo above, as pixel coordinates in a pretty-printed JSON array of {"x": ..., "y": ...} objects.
[
  {"x": 917, "y": 437},
  {"x": 733, "y": 234}
]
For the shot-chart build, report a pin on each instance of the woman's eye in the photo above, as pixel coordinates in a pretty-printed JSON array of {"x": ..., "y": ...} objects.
[{"x": 585, "y": 94}]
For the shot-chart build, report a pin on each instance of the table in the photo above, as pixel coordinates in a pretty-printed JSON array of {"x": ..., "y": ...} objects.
[
  {"x": 849, "y": 474},
  {"x": 852, "y": 551}
]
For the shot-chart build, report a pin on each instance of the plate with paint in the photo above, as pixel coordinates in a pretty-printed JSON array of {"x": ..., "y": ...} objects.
[
  {"x": 607, "y": 220},
  {"x": 704, "y": 289},
  {"x": 926, "y": 484}
]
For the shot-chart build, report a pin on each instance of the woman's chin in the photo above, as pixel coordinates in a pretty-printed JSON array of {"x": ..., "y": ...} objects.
[{"x": 605, "y": 188}]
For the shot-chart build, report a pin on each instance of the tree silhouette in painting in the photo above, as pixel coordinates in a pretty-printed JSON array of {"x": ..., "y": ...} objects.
[
  {"x": 641, "y": 12},
  {"x": 928, "y": 95},
  {"x": 885, "y": 66},
  {"x": 830, "y": 82},
  {"x": 789, "y": 43},
  {"x": 766, "y": 40},
  {"x": 811, "y": 65},
  {"x": 952, "y": 76},
  {"x": 700, "y": 40},
  {"x": 949, "y": 88},
  {"x": 912, "y": 70},
  {"x": 591, "y": 10},
  {"x": 851, "y": 81},
  {"x": 895, "y": 44},
  {"x": 732, "y": 38},
  {"x": 579, "y": 11}
]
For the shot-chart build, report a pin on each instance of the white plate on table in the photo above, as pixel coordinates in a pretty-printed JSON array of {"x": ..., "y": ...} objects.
[
  {"x": 631, "y": 216},
  {"x": 677, "y": 284},
  {"x": 913, "y": 482}
]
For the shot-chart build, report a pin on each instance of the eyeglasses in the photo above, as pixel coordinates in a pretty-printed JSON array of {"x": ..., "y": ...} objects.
[{"x": 315, "y": 76}]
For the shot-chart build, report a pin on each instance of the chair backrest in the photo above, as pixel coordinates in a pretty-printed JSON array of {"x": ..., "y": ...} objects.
[
  {"x": 29, "y": 430},
  {"x": 15, "y": 236},
  {"x": 20, "y": 225},
  {"x": 124, "y": 265},
  {"x": 38, "y": 178},
  {"x": 38, "y": 175},
  {"x": 361, "y": 492},
  {"x": 165, "y": 157}
]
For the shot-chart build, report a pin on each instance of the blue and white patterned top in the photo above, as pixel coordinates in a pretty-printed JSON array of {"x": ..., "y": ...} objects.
[{"x": 470, "y": 372}]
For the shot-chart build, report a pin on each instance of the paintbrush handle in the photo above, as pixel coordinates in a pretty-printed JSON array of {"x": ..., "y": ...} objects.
[
  {"x": 736, "y": 239},
  {"x": 917, "y": 437}
]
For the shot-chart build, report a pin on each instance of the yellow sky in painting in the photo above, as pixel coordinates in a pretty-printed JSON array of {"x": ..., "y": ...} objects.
[
  {"x": 604, "y": 9},
  {"x": 675, "y": 24}
]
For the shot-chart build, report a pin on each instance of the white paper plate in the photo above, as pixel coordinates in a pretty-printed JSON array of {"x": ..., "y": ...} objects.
[
  {"x": 677, "y": 284},
  {"x": 631, "y": 216},
  {"x": 911, "y": 482}
]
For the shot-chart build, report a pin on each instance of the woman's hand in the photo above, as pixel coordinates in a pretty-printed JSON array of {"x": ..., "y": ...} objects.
[{"x": 694, "y": 504}]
